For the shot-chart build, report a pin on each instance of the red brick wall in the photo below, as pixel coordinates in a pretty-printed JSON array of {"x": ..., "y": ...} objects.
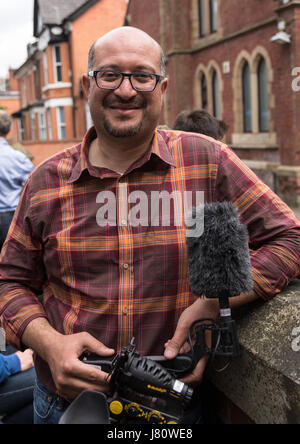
[
  {"x": 145, "y": 15},
  {"x": 42, "y": 150},
  {"x": 235, "y": 16},
  {"x": 238, "y": 14},
  {"x": 296, "y": 94}
]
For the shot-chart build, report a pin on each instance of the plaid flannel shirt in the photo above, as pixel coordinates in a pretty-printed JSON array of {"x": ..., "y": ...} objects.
[{"x": 119, "y": 280}]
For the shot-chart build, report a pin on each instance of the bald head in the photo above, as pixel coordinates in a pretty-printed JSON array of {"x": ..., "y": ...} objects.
[{"x": 128, "y": 33}]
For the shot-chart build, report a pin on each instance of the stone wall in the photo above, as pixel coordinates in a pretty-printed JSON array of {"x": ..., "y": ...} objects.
[{"x": 264, "y": 382}]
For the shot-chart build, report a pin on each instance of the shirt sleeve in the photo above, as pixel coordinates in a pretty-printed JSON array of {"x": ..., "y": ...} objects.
[
  {"x": 22, "y": 273},
  {"x": 274, "y": 230},
  {"x": 9, "y": 365},
  {"x": 24, "y": 167}
]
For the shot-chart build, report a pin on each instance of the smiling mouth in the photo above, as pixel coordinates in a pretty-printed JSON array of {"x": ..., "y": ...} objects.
[
  {"x": 124, "y": 110},
  {"x": 126, "y": 106}
]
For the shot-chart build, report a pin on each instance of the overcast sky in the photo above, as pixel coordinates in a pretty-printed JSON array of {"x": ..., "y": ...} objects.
[{"x": 16, "y": 30}]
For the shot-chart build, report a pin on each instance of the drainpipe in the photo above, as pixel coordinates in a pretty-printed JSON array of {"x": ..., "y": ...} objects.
[{"x": 68, "y": 29}]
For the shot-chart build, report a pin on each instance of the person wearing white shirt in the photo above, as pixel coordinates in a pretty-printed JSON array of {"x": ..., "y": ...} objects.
[{"x": 15, "y": 168}]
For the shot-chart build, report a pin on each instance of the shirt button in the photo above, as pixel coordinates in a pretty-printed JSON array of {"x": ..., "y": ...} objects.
[
  {"x": 125, "y": 266},
  {"x": 125, "y": 311},
  {"x": 124, "y": 222}
]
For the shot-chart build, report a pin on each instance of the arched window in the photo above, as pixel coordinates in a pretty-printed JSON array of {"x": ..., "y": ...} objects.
[
  {"x": 263, "y": 99},
  {"x": 201, "y": 12},
  {"x": 247, "y": 106},
  {"x": 216, "y": 94},
  {"x": 204, "y": 98},
  {"x": 213, "y": 8}
]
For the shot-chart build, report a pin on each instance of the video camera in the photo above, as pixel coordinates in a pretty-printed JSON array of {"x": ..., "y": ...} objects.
[{"x": 147, "y": 389}]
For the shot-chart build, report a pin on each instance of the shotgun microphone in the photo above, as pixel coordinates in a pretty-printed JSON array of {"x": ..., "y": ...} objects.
[
  {"x": 219, "y": 258},
  {"x": 219, "y": 266}
]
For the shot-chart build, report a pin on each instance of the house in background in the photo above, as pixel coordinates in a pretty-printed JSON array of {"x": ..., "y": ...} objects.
[
  {"x": 53, "y": 112},
  {"x": 240, "y": 60},
  {"x": 10, "y": 100}
]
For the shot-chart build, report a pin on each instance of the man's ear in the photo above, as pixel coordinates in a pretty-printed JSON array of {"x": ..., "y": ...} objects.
[
  {"x": 85, "y": 82},
  {"x": 164, "y": 84}
]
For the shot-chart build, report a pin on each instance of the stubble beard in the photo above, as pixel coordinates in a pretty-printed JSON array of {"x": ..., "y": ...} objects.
[
  {"x": 121, "y": 132},
  {"x": 131, "y": 130}
]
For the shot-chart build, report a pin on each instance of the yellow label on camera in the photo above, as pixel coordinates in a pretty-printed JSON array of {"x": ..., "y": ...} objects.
[{"x": 158, "y": 389}]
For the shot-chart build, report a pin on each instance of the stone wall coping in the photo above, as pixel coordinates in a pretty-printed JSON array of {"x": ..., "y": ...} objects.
[{"x": 264, "y": 382}]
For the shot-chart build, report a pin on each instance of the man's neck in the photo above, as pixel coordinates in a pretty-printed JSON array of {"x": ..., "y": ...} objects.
[{"x": 117, "y": 156}]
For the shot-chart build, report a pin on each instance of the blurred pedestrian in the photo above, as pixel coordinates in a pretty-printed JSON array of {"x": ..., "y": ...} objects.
[
  {"x": 200, "y": 121},
  {"x": 15, "y": 168},
  {"x": 17, "y": 377}
]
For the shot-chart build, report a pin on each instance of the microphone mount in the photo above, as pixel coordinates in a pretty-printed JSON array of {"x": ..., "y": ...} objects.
[{"x": 224, "y": 343}]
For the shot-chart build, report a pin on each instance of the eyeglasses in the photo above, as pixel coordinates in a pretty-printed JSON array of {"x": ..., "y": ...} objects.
[{"x": 111, "y": 80}]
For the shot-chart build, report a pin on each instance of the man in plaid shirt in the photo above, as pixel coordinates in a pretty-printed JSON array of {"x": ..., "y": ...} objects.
[{"x": 102, "y": 277}]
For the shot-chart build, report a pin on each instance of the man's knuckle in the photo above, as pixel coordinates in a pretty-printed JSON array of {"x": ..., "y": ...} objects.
[
  {"x": 94, "y": 376},
  {"x": 66, "y": 368},
  {"x": 60, "y": 383},
  {"x": 174, "y": 343}
]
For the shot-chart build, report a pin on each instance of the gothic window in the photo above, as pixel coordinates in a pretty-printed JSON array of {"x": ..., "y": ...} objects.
[
  {"x": 216, "y": 94},
  {"x": 201, "y": 11},
  {"x": 204, "y": 98},
  {"x": 213, "y": 9},
  {"x": 247, "y": 105},
  {"x": 263, "y": 99}
]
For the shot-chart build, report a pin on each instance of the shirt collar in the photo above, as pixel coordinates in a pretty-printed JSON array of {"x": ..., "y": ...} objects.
[
  {"x": 161, "y": 148},
  {"x": 158, "y": 147}
]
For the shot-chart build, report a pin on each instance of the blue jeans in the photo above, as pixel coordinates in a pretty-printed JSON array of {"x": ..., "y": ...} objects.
[
  {"x": 48, "y": 408},
  {"x": 16, "y": 398}
]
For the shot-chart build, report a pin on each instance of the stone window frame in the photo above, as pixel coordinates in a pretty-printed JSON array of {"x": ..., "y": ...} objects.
[
  {"x": 209, "y": 36},
  {"x": 208, "y": 71},
  {"x": 255, "y": 138}
]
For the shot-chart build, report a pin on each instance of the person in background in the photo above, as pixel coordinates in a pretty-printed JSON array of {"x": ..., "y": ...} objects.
[
  {"x": 17, "y": 377},
  {"x": 200, "y": 121},
  {"x": 15, "y": 168}
]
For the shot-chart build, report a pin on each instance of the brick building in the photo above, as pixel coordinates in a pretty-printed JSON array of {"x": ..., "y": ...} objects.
[
  {"x": 10, "y": 99},
  {"x": 240, "y": 60},
  {"x": 53, "y": 113}
]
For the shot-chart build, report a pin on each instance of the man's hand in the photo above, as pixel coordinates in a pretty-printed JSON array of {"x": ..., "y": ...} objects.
[
  {"x": 202, "y": 308},
  {"x": 70, "y": 375}
]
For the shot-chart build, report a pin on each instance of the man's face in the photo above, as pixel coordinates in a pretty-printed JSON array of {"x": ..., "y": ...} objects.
[{"x": 125, "y": 112}]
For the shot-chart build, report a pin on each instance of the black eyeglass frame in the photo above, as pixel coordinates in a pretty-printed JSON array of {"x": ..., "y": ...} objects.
[{"x": 158, "y": 77}]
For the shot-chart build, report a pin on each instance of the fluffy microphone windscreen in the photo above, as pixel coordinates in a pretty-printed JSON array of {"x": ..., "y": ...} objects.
[{"x": 219, "y": 259}]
